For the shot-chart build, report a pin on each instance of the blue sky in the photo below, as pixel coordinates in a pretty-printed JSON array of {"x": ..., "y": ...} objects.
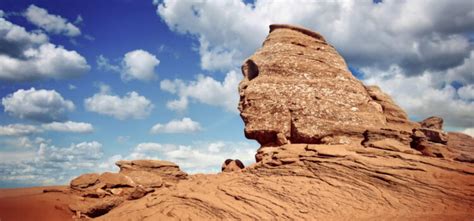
[{"x": 143, "y": 79}]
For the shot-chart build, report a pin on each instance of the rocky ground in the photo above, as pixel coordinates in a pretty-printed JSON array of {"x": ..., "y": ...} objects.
[{"x": 331, "y": 149}]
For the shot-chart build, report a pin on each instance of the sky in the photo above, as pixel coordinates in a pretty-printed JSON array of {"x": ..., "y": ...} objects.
[{"x": 86, "y": 83}]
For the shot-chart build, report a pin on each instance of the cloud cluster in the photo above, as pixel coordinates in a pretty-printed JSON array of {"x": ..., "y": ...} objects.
[
  {"x": 185, "y": 125},
  {"x": 205, "y": 90},
  {"x": 28, "y": 129},
  {"x": 69, "y": 126},
  {"x": 18, "y": 130},
  {"x": 54, "y": 24},
  {"x": 135, "y": 65},
  {"x": 132, "y": 105},
  {"x": 38, "y": 105},
  {"x": 27, "y": 56},
  {"x": 46, "y": 164},
  {"x": 418, "y": 38},
  {"x": 199, "y": 157}
]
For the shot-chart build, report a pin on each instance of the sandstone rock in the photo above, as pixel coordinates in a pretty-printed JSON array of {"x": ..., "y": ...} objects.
[
  {"x": 396, "y": 117},
  {"x": 433, "y": 135},
  {"x": 232, "y": 165},
  {"x": 84, "y": 181},
  {"x": 139, "y": 192},
  {"x": 298, "y": 86},
  {"x": 387, "y": 139},
  {"x": 112, "y": 180},
  {"x": 432, "y": 123},
  {"x": 164, "y": 169},
  {"x": 145, "y": 178},
  {"x": 96, "y": 208}
]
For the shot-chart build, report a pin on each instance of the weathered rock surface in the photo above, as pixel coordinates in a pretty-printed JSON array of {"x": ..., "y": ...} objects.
[
  {"x": 168, "y": 171},
  {"x": 84, "y": 181},
  {"x": 332, "y": 149},
  {"x": 136, "y": 179}
]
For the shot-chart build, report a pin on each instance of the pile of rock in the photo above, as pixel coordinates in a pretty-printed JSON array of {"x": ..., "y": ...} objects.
[{"x": 137, "y": 178}]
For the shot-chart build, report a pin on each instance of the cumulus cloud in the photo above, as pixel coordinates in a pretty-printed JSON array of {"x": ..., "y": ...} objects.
[
  {"x": 69, "y": 126},
  {"x": 422, "y": 96},
  {"x": 140, "y": 65},
  {"x": 27, "y": 56},
  {"x": 47, "y": 164},
  {"x": 372, "y": 37},
  {"x": 199, "y": 157},
  {"x": 18, "y": 130},
  {"x": 38, "y": 105},
  {"x": 54, "y": 24},
  {"x": 205, "y": 90},
  {"x": 135, "y": 65},
  {"x": 185, "y": 125},
  {"x": 132, "y": 105},
  {"x": 435, "y": 41}
]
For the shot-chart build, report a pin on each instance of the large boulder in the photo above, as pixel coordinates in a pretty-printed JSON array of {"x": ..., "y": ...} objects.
[{"x": 298, "y": 89}]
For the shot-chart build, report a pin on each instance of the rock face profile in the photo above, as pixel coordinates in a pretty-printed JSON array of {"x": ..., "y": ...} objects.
[{"x": 332, "y": 148}]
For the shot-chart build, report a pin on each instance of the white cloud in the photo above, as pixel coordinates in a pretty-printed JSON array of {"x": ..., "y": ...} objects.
[
  {"x": 18, "y": 130},
  {"x": 2, "y": 13},
  {"x": 140, "y": 65},
  {"x": 371, "y": 37},
  {"x": 200, "y": 157},
  {"x": 469, "y": 131},
  {"x": 135, "y": 65},
  {"x": 39, "y": 105},
  {"x": 206, "y": 90},
  {"x": 69, "y": 126},
  {"x": 435, "y": 41},
  {"x": 422, "y": 97},
  {"x": 185, "y": 125},
  {"x": 27, "y": 56},
  {"x": 46, "y": 164},
  {"x": 54, "y": 24},
  {"x": 466, "y": 92},
  {"x": 132, "y": 105}
]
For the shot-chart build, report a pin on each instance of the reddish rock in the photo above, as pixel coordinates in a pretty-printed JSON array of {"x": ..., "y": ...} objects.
[
  {"x": 297, "y": 86},
  {"x": 112, "y": 180},
  {"x": 139, "y": 192},
  {"x": 435, "y": 123},
  {"x": 96, "y": 208},
  {"x": 232, "y": 165},
  {"x": 84, "y": 181}
]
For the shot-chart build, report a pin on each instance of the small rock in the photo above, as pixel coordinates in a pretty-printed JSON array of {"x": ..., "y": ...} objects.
[
  {"x": 432, "y": 123},
  {"x": 232, "y": 165},
  {"x": 116, "y": 191}
]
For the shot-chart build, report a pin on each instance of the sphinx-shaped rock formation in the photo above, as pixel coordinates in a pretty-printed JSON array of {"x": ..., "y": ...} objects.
[{"x": 331, "y": 149}]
